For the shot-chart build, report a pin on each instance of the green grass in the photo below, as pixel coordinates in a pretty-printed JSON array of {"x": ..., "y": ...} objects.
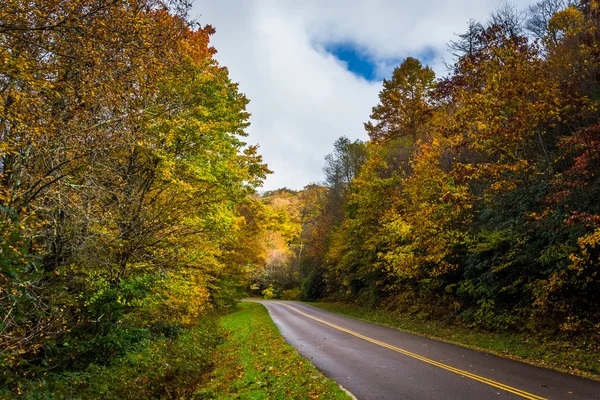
[
  {"x": 577, "y": 357},
  {"x": 256, "y": 363}
]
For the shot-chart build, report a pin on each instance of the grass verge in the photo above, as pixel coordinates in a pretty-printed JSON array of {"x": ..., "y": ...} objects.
[
  {"x": 575, "y": 357},
  {"x": 256, "y": 363}
]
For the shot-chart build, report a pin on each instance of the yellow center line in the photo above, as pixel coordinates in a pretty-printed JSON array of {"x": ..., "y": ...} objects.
[{"x": 478, "y": 378}]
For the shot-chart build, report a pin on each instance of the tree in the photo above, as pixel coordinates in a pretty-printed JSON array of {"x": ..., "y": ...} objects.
[
  {"x": 341, "y": 167},
  {"x": 123, "y": 172},
  {"x": 405, "y": 103},
  {"x": 540, "y": 14},
  {"x": 468, "y": 42},
  {"x": 281, "y": 242},
  {"x": 509, "y": 20},
  {"x": 69, "y": 98},
  {"x": 317, "y": 224}
]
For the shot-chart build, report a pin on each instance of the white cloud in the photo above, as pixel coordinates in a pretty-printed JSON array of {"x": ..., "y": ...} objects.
[{"x": 303, "y": 98}]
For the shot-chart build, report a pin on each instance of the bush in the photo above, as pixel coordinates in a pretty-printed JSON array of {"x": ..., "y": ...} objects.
[
  {"x": 270, "y": 293},
  {"x": 291, "y": 294},
  {"x": 165, "y": 368},
  {"x": 313, "y": 287}
]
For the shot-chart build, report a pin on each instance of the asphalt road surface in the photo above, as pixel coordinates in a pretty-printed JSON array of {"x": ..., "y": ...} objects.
[{"x": 375, "y": 362}]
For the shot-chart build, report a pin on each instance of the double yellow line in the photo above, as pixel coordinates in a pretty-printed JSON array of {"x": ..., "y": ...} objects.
[{"x": 461, "y": 372}]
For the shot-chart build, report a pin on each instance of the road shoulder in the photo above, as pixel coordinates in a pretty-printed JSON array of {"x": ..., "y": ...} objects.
[{"x": 256, "y": 363}]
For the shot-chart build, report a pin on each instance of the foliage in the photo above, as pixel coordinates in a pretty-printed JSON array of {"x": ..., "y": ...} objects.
[
  {"x": 126, "y": 205},
  {"x": 476, "y": 202},
  {"x": 269, "y": 293},
  {"x": 405, "y": 103},
  {"x": 291, "y": 294},
  {"x": 168, "y": 367}
]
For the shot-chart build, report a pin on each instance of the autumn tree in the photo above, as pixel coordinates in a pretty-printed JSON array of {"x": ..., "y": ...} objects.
[
  {"x": 317, "y": 222},
  {"x": 540, "y": 14},
  {"x": 123, "y": 177},
  {"x": 405, "y": 103},
  {"x": 490, "y": 219},
  {"x": 281, "y": 242},
  {"x": 341, "y": 167},
  {"x": 566, "y": 297},
  {"x": 70, "y": 97}
]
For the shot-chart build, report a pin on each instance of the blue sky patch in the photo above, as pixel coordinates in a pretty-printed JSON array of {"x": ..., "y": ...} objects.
[
  {"x": 427, "y": 56},
  {"x": 362, "y": 64},
  {"x": 359, "y": 63}
]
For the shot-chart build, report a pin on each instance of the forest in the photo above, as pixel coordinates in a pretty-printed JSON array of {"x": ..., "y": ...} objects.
[
  {"x": 125, "y": 214},
  {"x": 476, "y": 199},
  {"x": 130, "y": 212}
]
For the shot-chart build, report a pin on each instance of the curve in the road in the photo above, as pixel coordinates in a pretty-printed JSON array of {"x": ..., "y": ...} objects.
[
  {"x": 375, "y": 362},
  {"x": 487, "y": 381}
]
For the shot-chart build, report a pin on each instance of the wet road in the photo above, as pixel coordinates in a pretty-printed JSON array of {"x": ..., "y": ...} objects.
[{"x": 375, "y": 362}]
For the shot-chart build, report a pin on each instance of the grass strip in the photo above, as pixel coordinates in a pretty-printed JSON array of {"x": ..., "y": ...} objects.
[
  {"x": 575, "y": 357},
  {"x": 256, "y": 363}
]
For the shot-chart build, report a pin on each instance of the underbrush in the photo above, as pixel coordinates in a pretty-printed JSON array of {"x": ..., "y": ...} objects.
[
  {"x": 171, "y": 365},
  {"x": 238, "y": 355}
]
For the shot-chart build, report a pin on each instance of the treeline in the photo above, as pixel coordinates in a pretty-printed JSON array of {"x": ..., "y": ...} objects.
[
  {"x": 477, "y": 198},
  {"x": 125, "y": 214}
]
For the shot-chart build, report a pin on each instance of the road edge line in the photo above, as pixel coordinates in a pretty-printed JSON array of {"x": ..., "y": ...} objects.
[{"x": 446, "y": 367}]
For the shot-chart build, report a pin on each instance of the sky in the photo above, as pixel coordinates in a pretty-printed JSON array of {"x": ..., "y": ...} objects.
[{"x": 313, "y": 69}]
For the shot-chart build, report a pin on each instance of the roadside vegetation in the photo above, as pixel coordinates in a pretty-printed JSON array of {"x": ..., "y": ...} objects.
[
  {"x": 128, "y": 213},
  {"x": 130, "y": 218},
  {"x": 474, "y": 203},
  {"x": 256, "y": 363},
  {"x": 172, "y": 364}
]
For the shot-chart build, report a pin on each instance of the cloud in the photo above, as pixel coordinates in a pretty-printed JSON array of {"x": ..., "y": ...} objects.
[{"x": 302, "y": 96}]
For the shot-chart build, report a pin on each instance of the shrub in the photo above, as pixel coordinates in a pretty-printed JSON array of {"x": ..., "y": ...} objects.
[
  {"x": 291, "y": 294},
  {"x": 270, "y": 292},
  {"x": 165, "y": 368}
]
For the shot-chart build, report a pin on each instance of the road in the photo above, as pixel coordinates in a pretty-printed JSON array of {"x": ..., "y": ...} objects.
[{"x": 375, "y": 362}]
